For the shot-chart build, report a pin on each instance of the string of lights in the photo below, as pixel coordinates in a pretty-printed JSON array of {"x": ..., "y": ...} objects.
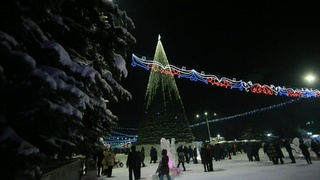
[
  {"x": 233, "y": 116},
  {"x": 121, "y": 137},
  {"x": 125, "y": 128},
  {"x": 247, "y": 113},
  {"x": 225, "y": 82}
]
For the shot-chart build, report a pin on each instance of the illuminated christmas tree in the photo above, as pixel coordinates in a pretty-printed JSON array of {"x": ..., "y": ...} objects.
[{"x": 164, "y": 114}]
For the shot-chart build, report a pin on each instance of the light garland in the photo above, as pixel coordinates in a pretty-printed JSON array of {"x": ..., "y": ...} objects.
[
  {"x": 241, "y": 114},
  {"x": 124, "y": 128},
  {"x": 228, "y": 83},
  {"x": 121, "y": 137},
  {"x": 247, "y": 113}
]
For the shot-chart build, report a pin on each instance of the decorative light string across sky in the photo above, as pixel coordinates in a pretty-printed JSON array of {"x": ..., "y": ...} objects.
[
  {"x": 247, "y": 113},
  {"x": 225, "y": 82},
  {"x": 234, "y": 116}
]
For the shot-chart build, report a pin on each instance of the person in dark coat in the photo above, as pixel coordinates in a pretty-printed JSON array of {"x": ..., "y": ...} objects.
[
  {"x": 134, "y": 163},
  {"x": 186, "y": 154},
  {"x": 139, "y": 165},
  {"x": 305, "y": 151},
  {"x": 280, "y": 155},
  {"x": 190, "y": 152},
  {"x": 164, "y": 166},
  {"x": 142, "y": 156},
  {"x": 272, "y": 153},
  {"x": 289, "y": 150},
  {"x": 255, "y": 150},
  {"x": 229, "y": 149},
  {"x": 210, "y": 164},
  {"x": 181, "y": 157},
  {"x": 98, "y": 156},
  {"x": 195, "y": 155},
  {"x": 248, "y": 148},
  {"x": 217, "y": 151},
  {"x": 205, "y": 155},
  {"x": 153, "y": 155}
]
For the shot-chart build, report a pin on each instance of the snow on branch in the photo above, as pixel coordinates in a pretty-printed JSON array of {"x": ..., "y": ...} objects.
[{"x": 8, "y": 135}]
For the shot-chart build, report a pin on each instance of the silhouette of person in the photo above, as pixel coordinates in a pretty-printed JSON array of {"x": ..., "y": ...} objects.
[
  {"x": 195, "y": 155},
  {"x": 164, "y": 167},
  {"x": 186, "y": 154},
  {"x": 279, "y": 153},
  {"x": 181, "y": 157},
  {"x": 289, "y": 150},
  {"x": 272, "y": 153},
  {"x": 134, "y": 163},
  {"x": 153, "y": 155},
  {"x": 305, "y": 151},
  {"x": 255, "y": 150},
  {"x": 190, "y": 152},
  {"x": 98, "y": 156},
  {"x": 205, "y": 155},
  {"x": 142, "y": 156}
]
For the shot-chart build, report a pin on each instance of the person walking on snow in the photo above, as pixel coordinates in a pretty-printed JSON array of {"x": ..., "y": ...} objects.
[
  {"x": 142, "y": 156},
  {"x": 289, "y": 150},
  {"x": 305, "y": 151},
  {"x": 164, "y": 165},
  {"x": 134, "y": 163},
  {"x": 181, "y": 157},
  {"x": 315, "y": 147},
  {"x": 205, "y": 155},
  {"x": 98, "y": 156},
  {"x": 153, "y": 155}
]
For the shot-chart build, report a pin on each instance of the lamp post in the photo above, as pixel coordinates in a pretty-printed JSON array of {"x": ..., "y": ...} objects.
[
  {"x": 206, "y": 114},
  {"x": 208, "y": 127}
]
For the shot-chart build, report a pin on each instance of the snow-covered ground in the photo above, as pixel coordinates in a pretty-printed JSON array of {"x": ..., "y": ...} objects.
[{"x": 237, "y": 168}]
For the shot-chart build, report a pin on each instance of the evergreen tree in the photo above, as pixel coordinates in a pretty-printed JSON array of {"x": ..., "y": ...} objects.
[
  {"x": 60, "y": 65},
  {"x": 164, "y": 115}
]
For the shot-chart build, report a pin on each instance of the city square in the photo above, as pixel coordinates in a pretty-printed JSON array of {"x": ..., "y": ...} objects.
[
  {"x": 237, "y": 168},
  {"x": 86, "y": 83}
]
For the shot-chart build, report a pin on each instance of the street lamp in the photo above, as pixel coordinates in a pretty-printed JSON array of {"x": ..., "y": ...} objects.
[
  {"x": 206, "y": 114},
  {"x": 209, "y": 134},
  {"x": 310, "y": 78}
]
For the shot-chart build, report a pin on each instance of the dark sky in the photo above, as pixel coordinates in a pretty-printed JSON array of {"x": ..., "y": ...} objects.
[{"x": 267, "y": 42}]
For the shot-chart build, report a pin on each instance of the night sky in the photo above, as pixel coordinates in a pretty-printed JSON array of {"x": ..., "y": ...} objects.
[{"x": 268, "y": 42}]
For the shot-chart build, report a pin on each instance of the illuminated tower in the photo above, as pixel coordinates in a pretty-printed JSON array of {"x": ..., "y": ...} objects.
[{"x": 164, "y": 115}]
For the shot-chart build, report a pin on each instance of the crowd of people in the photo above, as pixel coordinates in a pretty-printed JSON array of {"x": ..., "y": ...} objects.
[{"x": 105, "y": 157}]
